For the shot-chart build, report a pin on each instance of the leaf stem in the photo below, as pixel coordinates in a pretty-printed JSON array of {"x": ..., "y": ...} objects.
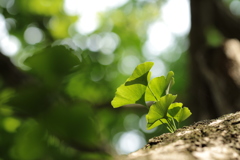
[
  {"x": 170, "y": 129},
  {"x": 174, "y": 123},
  {"x": 173, "y": 128}
]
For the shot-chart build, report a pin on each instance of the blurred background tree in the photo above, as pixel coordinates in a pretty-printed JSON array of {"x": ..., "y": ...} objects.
[
  {"x": 61, "y": 62},
  {"x": 214, "y": 56}
]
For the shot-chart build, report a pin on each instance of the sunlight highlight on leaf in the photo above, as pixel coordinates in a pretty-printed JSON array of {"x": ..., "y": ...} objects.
[
  {"x": 139, "y": 88},
  {"x": 159, "y": 110},
  {"x": 183, "y": 114},
  {"x": 133, "y": 90}
]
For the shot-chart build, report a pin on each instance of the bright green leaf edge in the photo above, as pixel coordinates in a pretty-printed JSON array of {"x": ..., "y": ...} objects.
[
  {"x": 158, "y": 111},
  {"x": 133, "y": 90}
]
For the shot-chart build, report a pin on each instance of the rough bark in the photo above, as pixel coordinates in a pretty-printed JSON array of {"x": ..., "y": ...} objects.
[
  {"x": 217, "y": 139},
  {"x": 214, "y": 88}
]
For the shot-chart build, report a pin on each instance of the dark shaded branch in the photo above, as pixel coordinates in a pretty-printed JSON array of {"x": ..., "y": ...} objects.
[
  {"x": 9, "y": 73},
  {"x": 225, "y": 21}
]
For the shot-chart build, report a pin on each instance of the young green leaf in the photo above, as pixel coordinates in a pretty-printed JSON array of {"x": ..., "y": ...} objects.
[
  {"x": 183, "y": 114},
  {"x": 133, "y": 90},
  {"x": 157, "y": 86},
  {"x": 170, "y": 77},
  {"x": 174, "y": 109},
  {"x": 155, "y": 89},
  {"x": 155, "y": 123},
  {"x": 159, "y": 110},
  {"x": 138, "y": 90},
  {"x": 169, "y": 81}
]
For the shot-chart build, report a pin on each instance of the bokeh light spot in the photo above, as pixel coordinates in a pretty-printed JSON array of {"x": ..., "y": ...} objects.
[
  {"x": 158, "y": 69},
  {"x": 235, "y": 7},
  {"x": 106, "y": 59},
  {"x": 10, "y": 45},
  {"x": 33, "y": 35},
  {"x": 131, "y": 122},
  {"x": 128, "y": 64},
  {"x": 130, "y": 142},
  {"x": 176, "y": 15},
  {"x": 159, "y": 39},
  {"x": 93, "y": 42},
  {"x": 80, "y": 41},
  {"x": 87, "y": 24},
  {"x": 3, "y": 29},
  {"x": 11, "y": 124},
  {"x": 109, "y": 43}
]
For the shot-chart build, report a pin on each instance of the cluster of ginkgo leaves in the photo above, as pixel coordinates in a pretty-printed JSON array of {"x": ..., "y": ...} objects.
[{"x": 139, "y": 89}]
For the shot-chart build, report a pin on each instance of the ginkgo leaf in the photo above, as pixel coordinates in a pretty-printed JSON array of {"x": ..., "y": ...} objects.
[
  {"x": 183, "y": 114},
  {"x": 159, "y": 110},
  {"x": 138, "y": 89},
  {"x": 158, "y": 86},
  {"x": 169, "y": 77},
  {"x": 155, "y": 123},
  {"x": 174, "y": 109},
  {"x": 169, "y": 81},
  {"x": 155, "y": 89},
  {"x": 133, "y": 90}
]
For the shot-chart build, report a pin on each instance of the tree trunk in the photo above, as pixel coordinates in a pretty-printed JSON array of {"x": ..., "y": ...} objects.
[
  {"x": 215, "y": 75},
  {"x": 206, "y": 140}
]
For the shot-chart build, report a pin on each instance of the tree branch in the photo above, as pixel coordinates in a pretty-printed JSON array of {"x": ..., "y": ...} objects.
[
  {"x": 225, "y": 21},
  {"x": 9, "y": 73}
]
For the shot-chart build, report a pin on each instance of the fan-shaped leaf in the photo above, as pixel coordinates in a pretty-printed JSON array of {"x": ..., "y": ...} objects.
[
  {"x": 159, "y": 110},
  {"x": 174, "y": 109},
  {"x": 158, "y": 86},
  {"x": 133, "y": 90},
  {"x": 183, "y": 114},
  {"x": 155, "y": 89}
]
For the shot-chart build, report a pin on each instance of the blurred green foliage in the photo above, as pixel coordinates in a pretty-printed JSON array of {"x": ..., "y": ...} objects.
[{"x": 64, "y": 111}]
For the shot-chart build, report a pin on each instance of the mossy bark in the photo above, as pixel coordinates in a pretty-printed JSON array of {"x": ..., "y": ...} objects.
[{"x": 217, "y": 139}]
